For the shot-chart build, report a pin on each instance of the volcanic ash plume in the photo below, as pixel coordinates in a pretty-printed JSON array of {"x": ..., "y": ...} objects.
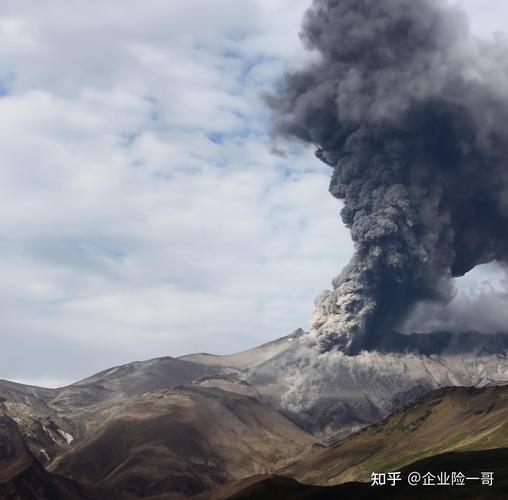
[{"x": 411, "y": 113}]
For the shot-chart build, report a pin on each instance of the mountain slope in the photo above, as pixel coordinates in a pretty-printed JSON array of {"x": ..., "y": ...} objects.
[
  {"x": 51, "y": 419},
  {"x": 327, "y": 394},
  {"x": 15, "y": 456},
  {"x": 34, "y": 483},
  {"x": 330, "y": 393},
  {"x": 469, "y": 463},
  {"x": 23, "y": 478},
  {"x": 246, "y": 359},
  {"x": 143, "y": 376},
  {"x": 185, "y": 440},
  {"x": 449, "y": 419}
]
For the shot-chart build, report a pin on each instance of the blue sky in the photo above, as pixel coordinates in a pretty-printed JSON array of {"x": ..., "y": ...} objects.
[{"x": 144, "y": 213}]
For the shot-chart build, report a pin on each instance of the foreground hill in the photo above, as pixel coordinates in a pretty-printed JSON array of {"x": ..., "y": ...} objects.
[
  {"x": 187, "y": 425},
  {"x": 449, "y": 430},
  {"x": 469, "y": 463},
  {"x": 449, "y": 419},
  {"x": 23, "y": 478},
  {"x": 53, "y": 419},
  {"x": 218, "y": 431},
  {"x": 185, "y": 440}
]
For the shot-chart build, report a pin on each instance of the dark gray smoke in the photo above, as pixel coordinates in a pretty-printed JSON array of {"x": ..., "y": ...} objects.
[{"x": 411, "y": 112}]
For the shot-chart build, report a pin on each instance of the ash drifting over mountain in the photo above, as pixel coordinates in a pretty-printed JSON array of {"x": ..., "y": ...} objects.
[{"x": 410, "y": 111}]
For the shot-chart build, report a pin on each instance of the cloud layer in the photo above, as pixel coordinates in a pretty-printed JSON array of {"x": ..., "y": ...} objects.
[{"x": 143, "y": 212}]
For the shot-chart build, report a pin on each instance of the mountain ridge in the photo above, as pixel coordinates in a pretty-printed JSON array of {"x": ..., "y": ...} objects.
[
  {"x": 205, "y": 433},
  {"x": 450, "y": 419},
  {"x": 303, "y": 400}
]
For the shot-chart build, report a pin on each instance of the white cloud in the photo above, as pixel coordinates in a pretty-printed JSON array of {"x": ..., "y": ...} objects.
[
  {"x": 486, "y": 16},
  {"x": 143, "y": 212}
]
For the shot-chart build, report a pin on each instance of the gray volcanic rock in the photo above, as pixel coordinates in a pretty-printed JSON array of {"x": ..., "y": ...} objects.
[
  {"x": 185, "y": 440},
  {"x": 15, "y": 456},
  {"x": 52, "y": 419},
  {"x": 333, "y": 393},
  {"x": 23, "y": 478},
  {"x": 328, "y": 394}
]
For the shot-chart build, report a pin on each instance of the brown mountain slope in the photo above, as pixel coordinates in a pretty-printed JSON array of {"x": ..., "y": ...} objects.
[
  {"x": 186, "y": 440},
  {"x": 450, "y": 419},
  {"x": 469, "y": 463},
  {"x": 34, "y": 483},
  {"x": 324, "y": 395},
  {"x": 15, "y": 456},
  {"x": 51, "y": 418},
  {"x": 23, "y": 478}
]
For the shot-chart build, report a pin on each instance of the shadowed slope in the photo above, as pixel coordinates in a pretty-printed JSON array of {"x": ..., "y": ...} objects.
[
  {"x": 51, "y": 419},
  {"x": 469, "y": 463},
  {"x": 186, "y": 440},
  {"x": 23, "y": 478},
  {"x": 450, "y": 419}
]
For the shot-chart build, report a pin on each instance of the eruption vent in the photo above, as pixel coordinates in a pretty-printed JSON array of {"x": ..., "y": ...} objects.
[{"x": 411, "y": 112}]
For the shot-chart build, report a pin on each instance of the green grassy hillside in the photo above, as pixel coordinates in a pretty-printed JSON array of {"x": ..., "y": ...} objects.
[
  {"x": 470, "y": 463},
  {"x": 450, "y": 419}
]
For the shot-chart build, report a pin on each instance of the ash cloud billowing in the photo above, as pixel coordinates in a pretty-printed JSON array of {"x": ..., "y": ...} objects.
[{"x": 411, "y": 113}]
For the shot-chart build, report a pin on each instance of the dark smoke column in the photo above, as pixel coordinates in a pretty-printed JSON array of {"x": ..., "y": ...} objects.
[{"x": 411, "y": 113}]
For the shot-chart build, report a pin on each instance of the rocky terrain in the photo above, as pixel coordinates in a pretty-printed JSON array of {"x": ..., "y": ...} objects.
[
  {"x": 451, "y": 429},
  {"x": 186, "y": 426},
  {"x": 188, "y": 439},
  {"x": 52, "y": 419},
  {"x": 331, "y": 394},
  {"x": 452, "y": 419},
  {"x": 23, "y": 477},
  {"x": 276, "y": 487}
]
